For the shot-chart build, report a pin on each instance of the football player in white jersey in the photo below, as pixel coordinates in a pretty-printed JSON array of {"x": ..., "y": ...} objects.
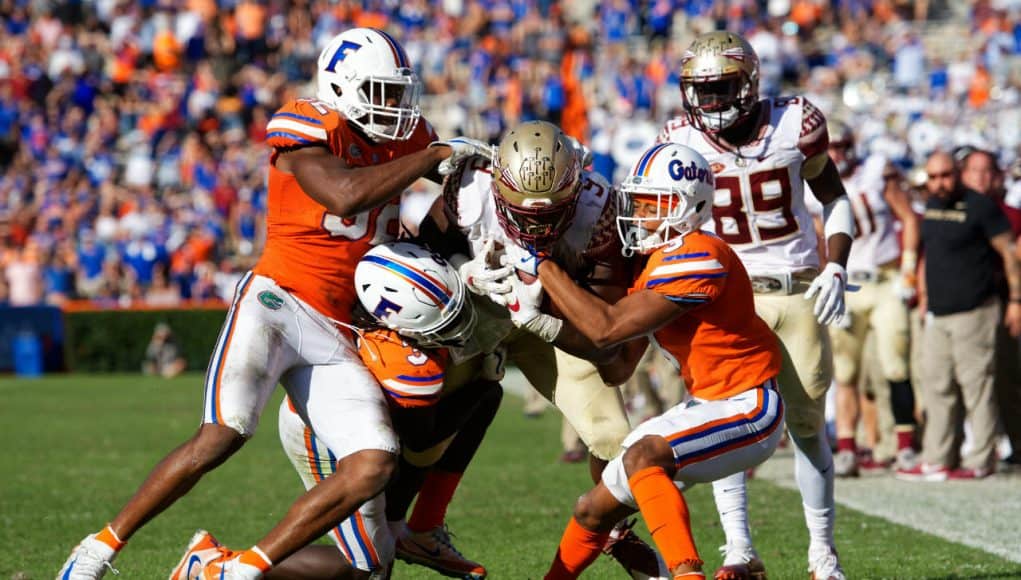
[
  {"x": 880, "y": 306},
  {"x": 534, "y": 195},
  {"x": 762, "y": 152}
]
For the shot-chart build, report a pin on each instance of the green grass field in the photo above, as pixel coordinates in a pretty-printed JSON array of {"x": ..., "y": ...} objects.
[{"x": 79, "y": 445}]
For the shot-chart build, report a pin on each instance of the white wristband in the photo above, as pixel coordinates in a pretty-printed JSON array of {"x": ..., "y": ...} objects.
[
  {"x": 838, "y": 218},
  {"x": 545, "y": 327}
]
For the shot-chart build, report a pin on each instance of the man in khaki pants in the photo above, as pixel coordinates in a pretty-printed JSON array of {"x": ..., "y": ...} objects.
[{"x": 965, "y": 234}]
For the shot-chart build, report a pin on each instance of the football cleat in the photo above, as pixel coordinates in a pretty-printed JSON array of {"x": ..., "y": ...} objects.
[
  {"x": 825, "y": 566},
  {"x": 845, "y": 464},
  {"x": 229, "y": 568},
  {"x": 924, "y": 472},
  {"x": 433, "y": 549},
  {"x": 638, "y": 558},
  {"x": 740, "y": 563},
  {"x": 89, "y": 560},
  {"x": 202, "y": 550},
  {"x": 966, "y": 473},
  {"x": 906, "y": 459}
]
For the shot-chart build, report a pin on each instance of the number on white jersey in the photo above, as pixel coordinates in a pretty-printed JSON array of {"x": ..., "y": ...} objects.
[{"x": 754, "y": 208}]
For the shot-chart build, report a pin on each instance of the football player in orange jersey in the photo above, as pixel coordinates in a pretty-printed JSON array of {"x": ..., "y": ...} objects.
[
  {"x": 695, "y": 298},
  {"x": 412, "y": 311},
  {"x": 338, "y": 165}
]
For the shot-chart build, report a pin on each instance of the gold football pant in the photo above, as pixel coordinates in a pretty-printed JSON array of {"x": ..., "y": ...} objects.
[{"x": 807, "y": 358}]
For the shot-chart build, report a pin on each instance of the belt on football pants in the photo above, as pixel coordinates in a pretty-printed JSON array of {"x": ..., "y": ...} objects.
[
  {"x": 783, "y": 283},
  {"x": 880, "y": 274}
]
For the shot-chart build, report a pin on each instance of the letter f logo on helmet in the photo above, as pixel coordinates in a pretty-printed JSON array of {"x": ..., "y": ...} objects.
[
  {"x": 385, "y": 308},
  {"x": 345, "y": 48}
]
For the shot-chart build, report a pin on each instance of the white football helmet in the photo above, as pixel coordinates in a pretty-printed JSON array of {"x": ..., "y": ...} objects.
[
  {"x": 365, "y": 74},
  {"x": 406, "y": 288},
  {"x": 678, "y": 182}
]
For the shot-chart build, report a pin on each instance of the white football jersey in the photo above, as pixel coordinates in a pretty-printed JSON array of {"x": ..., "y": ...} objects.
[
  {"x": 759, "y": 207},
  {"x": 468, "y": 196},
  {"x": 875, "y": 242}
]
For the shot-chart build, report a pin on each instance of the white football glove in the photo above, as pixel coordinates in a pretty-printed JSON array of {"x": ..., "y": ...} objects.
[
  {"x": 480, "y": 278},
  {"x": 514, "y": 256},
  {"x": 461, "y": 148},
  {"x": 905, "y": 287},
  {"x": 828, "y": 290},
  {"x": 524, "y": 302}
]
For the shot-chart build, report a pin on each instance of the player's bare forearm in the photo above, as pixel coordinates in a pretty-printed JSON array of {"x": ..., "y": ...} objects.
[
  {"x": 827, "y": 185},
  {"x": 606, "y": 324},
  {"x": 574, "y": 343},
  {"x": 838, "y": 248},
  {"x": 618, "y": 370},
  {"x": 348, "y": 191},
  {"x": 828, "y": 188},
  {"x": 911, "y": 234},
  {"x": 1005, "y": 245}
]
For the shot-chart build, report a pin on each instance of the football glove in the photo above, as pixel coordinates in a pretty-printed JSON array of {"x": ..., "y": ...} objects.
[
  {"x": 526, "y": 260},
  {"x": 905, "y": 287},
  {"x": 828, "y": 291},
  {"x": 524, "y": 302},
  {"x": 480, "y": 278},
  {"x": 461, "y": 148}
]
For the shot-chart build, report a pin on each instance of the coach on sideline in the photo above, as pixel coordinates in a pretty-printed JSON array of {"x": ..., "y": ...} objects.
[{"x": 962, "y": 231}]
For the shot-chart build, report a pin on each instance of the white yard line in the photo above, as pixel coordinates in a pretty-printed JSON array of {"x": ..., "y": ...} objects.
[{"x": 981, "y": 514}]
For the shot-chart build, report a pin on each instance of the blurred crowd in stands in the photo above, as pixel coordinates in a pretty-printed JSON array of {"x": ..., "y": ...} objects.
[{"x": 132, "y": 169}]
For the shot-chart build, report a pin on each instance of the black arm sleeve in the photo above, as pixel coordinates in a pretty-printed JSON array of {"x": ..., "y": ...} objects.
[{"x": 444, "y": 243}]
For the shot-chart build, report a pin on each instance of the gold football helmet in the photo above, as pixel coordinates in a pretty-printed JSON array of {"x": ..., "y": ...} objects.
[
  {"x": 719, "y": 80},
  {"x": 536, "y": 176},
  {"x": 841, "y": 148}
]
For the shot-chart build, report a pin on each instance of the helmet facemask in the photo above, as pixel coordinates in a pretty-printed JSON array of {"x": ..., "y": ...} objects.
[
  {"x": 667, "y": 194},
  {"x": 674, "y": 216},
  {"x": 538, "y": 225},
  {"x": 719, "y": 81},
  {"x": 454, "y": 330},
  {"x": 715, "y": 105},
  {"x": 385, "y": 108}
]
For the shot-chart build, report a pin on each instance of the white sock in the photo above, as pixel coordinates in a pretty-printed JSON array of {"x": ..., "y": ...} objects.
[
  {"x": 813, "y": 469},
  {"x": 731, "y": 496}
]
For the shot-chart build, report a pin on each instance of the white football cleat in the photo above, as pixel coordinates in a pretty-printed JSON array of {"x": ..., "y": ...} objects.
[
  {"x": 845, "y": 464},
  {"x": 89, "y": 560},
  {"x": 740, "y": 563},
  {"x": 202, "y": 549},
  {"x": 825, "y": 566}
]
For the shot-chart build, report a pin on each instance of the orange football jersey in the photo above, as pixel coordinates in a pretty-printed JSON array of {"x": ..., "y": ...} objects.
[
  {"x": 309, "y": 251},
  {"x": 410, "y": 377},
  {"x": 722, "y": 346}
]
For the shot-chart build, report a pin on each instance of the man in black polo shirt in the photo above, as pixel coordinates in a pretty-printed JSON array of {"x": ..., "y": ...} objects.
[{"x": 964, "y": 235}]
